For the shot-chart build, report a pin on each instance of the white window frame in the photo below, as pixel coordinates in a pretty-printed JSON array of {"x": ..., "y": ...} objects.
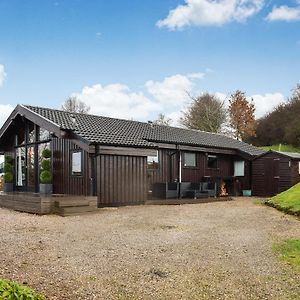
[
  {"x": 239, "y": 168},
  {"x": 185, "y": 163},
  {"x": 152, "y": 161},
  {"x": 76, "y": 163}
]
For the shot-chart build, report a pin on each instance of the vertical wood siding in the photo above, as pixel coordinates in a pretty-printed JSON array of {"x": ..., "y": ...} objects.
[
  {"x": 271, "y": 174},
  {"x": 168, "y": 169},
  {"x": 63, "y": 182},
  {"x": 121, "y": 180}
]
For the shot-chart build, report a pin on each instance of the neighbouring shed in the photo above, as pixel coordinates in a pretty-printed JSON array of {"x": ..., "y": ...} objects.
[{"x": 274, "y": 172}]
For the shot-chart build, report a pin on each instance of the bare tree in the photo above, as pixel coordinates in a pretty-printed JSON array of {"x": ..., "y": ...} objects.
[
  {"x": 206, "y": 112},
  {"x": 162, "y": 120},
  {"x": 73, "y": 104}
]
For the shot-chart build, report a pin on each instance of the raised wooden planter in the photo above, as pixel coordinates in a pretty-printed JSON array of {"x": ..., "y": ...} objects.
[{"x": 57, "y": 204}]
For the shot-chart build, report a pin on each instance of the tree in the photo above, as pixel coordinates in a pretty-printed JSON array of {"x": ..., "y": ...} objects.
[
  {"x": 162, "y": 120},
  {"x": 206, "y": 112},
  {"x": 73, "y": 104},
  {"x": 241, "y": 115}
]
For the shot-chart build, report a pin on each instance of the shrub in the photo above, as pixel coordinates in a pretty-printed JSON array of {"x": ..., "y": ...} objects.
[
  {"x": 46, "y": 165},
  {"x": 46, "y": 153},
  {"x": 8, "y": 158},
  {"x": 7, "y": 167},
  {"x": 8, "y": 177},
  {"x": 10, "y": 290},
  {"x": 46, "y": 177}
]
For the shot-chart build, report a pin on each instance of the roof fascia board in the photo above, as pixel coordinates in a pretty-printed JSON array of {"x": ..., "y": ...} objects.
[
  {"x": 126, "y": 151},
  {"x": 195, "y": 148}
]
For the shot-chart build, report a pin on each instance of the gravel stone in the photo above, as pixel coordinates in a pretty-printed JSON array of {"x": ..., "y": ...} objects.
[{"x": 219, "y": 250}]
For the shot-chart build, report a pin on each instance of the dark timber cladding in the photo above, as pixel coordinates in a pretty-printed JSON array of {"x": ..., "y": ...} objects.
[
  {"x": 63, "y": 181},
  {"x": 274, "y": 172},
  {"x": 116, "y": 159},
  {"x": 121, "y": 180}
]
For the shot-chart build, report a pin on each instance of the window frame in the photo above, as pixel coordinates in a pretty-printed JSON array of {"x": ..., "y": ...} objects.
[
  {"x": 72, "y": 152},
  {"x": 149, "y": 168},
  {"x": 216, "y": 159},
  {"x": 234, "y": 168},
  {"x": 184, "y": 160}
]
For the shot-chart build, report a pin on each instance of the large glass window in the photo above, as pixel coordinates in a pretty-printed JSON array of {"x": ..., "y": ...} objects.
[
  {"x": 189, "y": 159},
  {"x": 152, "y": 162},
  {"x": 44, "y": 134},
  {"x": 30, "y": 167},
  {"x": 239, "y": 168},
  {"x": 20, "y": 166},
  {"x": 31, "y": 133},
  {"x": 76, "y": 163},
  {"x": 212, "y": 161}
]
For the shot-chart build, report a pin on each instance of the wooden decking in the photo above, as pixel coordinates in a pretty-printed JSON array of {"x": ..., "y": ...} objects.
[
  {"x": 63, "y": 205},
  {"x": 186, "y": 201}
]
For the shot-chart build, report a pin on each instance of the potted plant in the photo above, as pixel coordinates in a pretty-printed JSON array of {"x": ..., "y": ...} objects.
[
  {"x": 46, "y": 173},
  {"x": 8, "y": 174}
]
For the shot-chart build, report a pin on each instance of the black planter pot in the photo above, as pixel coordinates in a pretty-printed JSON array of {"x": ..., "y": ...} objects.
[
  {"x": 8, "y": 187},
  {"x": 46, "y": 188}
]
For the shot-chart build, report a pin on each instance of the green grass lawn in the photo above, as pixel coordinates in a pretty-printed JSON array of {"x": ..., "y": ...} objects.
[
  {"x": 288, "y": 201},
  {"x": 289, "y": 251},
  {"x": 284, "y": 148}
]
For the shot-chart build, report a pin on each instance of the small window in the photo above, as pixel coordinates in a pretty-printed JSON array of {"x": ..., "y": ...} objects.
[
  {"x": 299, "y": 167},
  {"x": 212, "y": 161},
  {"x": 189, "y": 159},
  {"x": 152, "y": 162},
  {"x": 239, "y": 168},
  {"x": 76, "y": 163}
]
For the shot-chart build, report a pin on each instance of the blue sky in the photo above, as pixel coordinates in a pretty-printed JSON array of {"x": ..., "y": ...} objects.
[{"x": 135, "y": 59}]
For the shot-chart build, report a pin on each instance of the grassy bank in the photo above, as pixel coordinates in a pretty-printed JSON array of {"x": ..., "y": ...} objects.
[
  {"x": 281, "y": 147},
  {"x": 287, "y": 201},
  {"x": 289, "y": 251}
]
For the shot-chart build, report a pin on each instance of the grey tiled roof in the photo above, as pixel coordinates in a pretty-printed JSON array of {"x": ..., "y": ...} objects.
[
  {"x": 111, "y": 131},
  {"x": 294, "y": 155}
]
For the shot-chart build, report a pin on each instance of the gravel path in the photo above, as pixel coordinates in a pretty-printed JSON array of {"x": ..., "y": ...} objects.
[{"x": 199, "y": 251}]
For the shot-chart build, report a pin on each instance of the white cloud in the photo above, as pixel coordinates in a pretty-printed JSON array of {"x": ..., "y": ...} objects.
[
  {"x": 6, "y": 110},
  {"x": 173, "y": 90},
  {"x": 210, "y": 13},
  {"x": 284, "y": 13},
  {"x": 266, "y": 103},
  {"x": 2, "y": 75},
  {"x": 116, "y": 100}
]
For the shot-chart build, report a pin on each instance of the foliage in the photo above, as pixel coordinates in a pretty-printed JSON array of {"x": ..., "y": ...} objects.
[
  {"x": 46, "y": 153},
  {"x": 46, "y": 164},
  {"x": 287, "y": 201},
  {"x": 46, "y": 174},
  {"x": 162, "y": 120},
  {"x": 46, "y": 177},
  {"x": 282, "y": 125},
  {"x": 206, "y": 112},
  {"x": 73, "y": 104},
  {"x": 8, "y": 177},
  {"x": 281, "y": 147},
  {"x": 289, "y": 251},
  {"x": 7, "y": 167},
  {"x": 241, "y": 114},
  {"x": 8, "y": 158},
  {"x": 10, "y": 290}
]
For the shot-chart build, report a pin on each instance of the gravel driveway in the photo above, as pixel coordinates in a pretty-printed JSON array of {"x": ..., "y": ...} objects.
[{"x": 200, "y": 251}]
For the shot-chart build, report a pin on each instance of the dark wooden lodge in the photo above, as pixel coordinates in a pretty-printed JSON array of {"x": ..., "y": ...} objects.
[
  {"x": 120, "y": 161},
  {"x": 274, "y": 172}
]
